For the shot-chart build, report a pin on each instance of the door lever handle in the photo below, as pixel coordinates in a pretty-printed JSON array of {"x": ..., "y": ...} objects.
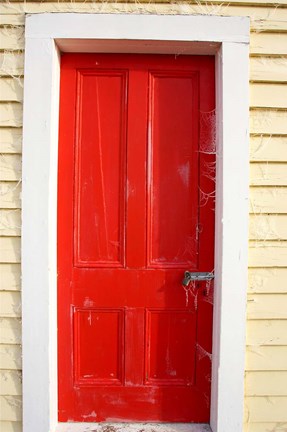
[{"x": 196, "y": 276}]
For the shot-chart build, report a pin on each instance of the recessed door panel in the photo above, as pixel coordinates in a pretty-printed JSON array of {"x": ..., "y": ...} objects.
[
  {"x": 134, "y": 345},
  {"x": 98, "y": 350},
  {"x": 100, "y": 168},
  {"x": 170, "y": 347},
  {"x": 173, "y": 182}
]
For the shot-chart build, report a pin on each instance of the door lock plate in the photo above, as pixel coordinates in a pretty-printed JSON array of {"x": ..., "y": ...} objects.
[{"x": 196, "y": 276}]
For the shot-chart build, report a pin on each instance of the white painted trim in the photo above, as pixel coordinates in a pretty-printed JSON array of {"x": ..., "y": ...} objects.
[{"x": 227, "y": 39}]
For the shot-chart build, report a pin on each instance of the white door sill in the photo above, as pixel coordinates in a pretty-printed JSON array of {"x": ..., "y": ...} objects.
[{"x": 133, "y": 427}]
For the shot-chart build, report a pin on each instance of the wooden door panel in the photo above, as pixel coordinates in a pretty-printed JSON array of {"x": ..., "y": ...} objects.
[
  {"x": 170, "y": 347},
  {"x": 100, "y": 174},
  {"x": 173, "y": 171},
  {"x": 132, "y": 346}
]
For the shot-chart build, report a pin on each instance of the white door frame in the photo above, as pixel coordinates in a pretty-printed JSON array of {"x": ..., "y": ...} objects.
[{"x": 46, "y": 35}]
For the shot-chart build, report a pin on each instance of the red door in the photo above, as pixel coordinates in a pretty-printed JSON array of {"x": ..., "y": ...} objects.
[{"x": 133, "y": 345}]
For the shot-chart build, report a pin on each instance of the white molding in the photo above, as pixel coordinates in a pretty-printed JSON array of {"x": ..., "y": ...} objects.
[
  {"x": 138, "y": 27},
  {"x": 226, "y": 38}
]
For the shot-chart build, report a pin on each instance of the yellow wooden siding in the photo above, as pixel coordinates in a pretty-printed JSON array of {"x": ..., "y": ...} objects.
[
  {"x": 267, "y": 254},
  {"x": 268, "y": 69},
  {"x": 266, "y": 427},
  {"x": 12, "y": 38},
  {"x": 262, "y": 306},
  {"x": 268, "y": 200},
  {"x": 10, "y": 357},
  {"x": 10, "y": 427},
  {"x": 10, "y": 167},
  {"x": 268, "y": 121},
  {"x": 11, "y": 89},
  {"x": 11, "y": 63},
  {"x": 10, "y": 249},
  {"x": 260, "y": 331},
  {"x": 266, "y": 352},
  {"x": 10, "y": 222},
  {"x": 268, "y": 173},
  {"x": 268, "y": 148},
  {"x": 11, "y": 140},
  {"x": 11, "y": 114},
  {"x": 266, "y": 358},
  {"x": 266, "y": 383},
  {"x": 10, "y": 277},
  {"x": 11, "y": 407},
  {"x": 268, "y": 43},
  {"x": 266, "y": 409},
  {"x": 10, "y": 194},
  {"x": 267, "y": 280},
  {"x": 10, "y": 330},
  {"x": 261, "y": 227}
]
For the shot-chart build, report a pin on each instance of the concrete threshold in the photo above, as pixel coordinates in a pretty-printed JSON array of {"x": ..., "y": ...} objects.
[{"x": 133, "y": 427}]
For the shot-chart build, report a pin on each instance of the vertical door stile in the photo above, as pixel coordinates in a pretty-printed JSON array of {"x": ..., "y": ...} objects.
[
  {"x": 136, "y": 221},
  {"x": 136, "y": 169}
]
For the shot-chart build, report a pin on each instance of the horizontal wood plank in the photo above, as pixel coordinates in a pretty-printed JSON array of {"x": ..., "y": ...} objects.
[
  {"x": 10, "y": 195},
  {"x": 10, "y": 330},
  {"x": 268, "y": 69},
  {"x": 268, "y": 121},
  {"x": 268, "y": 200},
  {"x": 267, "y": 332},
  {"x": 10, "y": 277},
  {"x": 266, "y": 409},
  {"x": 268, "y": 148},
  {"x": 266, "y": 227},
  {"x": 10, "y": 357},
  {"x": 264, "y": 95},
  {"x": 8, "y": 426},
  {"x": 12, "y": 38},
  {"x": 268, "y": 173},
  {"x": 271, "y": 383},
  {"x": 11, "y": 63},
  {"x": 11, "y": 89},
  {"x": 268, "y": 254},
  {"x": 267, "y": 280},
  {"x": 268, "y": 25},
  {"x": 265, "y": 427},
  {"x": 10, "y": 383},
  {"x": 11, "y": 114},
  {"x": 10, "y": 222},
  {"x": 268, "y": 43},
  {"x": 10, "y": 140},
  {"x": 10, "y": 304},
  {"x": 266, "y": 358},
  {"x": 12, "y": 19},
  {"x": 10, "y": 167},
  {"x": 11, "y": 408},
  {"x": 263, "y": 306},
  {"x": 10, "y": 249}
]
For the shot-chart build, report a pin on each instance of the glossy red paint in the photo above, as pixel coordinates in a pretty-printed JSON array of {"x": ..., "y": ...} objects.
[{"x": 130, "y": 222}]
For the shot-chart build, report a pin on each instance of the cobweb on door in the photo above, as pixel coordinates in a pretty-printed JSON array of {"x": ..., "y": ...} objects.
[
  {"x": 207, "y": 146},
  {"x": 207, "y": 139}
]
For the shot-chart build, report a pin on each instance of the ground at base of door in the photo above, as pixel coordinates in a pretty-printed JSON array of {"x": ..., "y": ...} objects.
[{"x": 132, "y": 427}]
